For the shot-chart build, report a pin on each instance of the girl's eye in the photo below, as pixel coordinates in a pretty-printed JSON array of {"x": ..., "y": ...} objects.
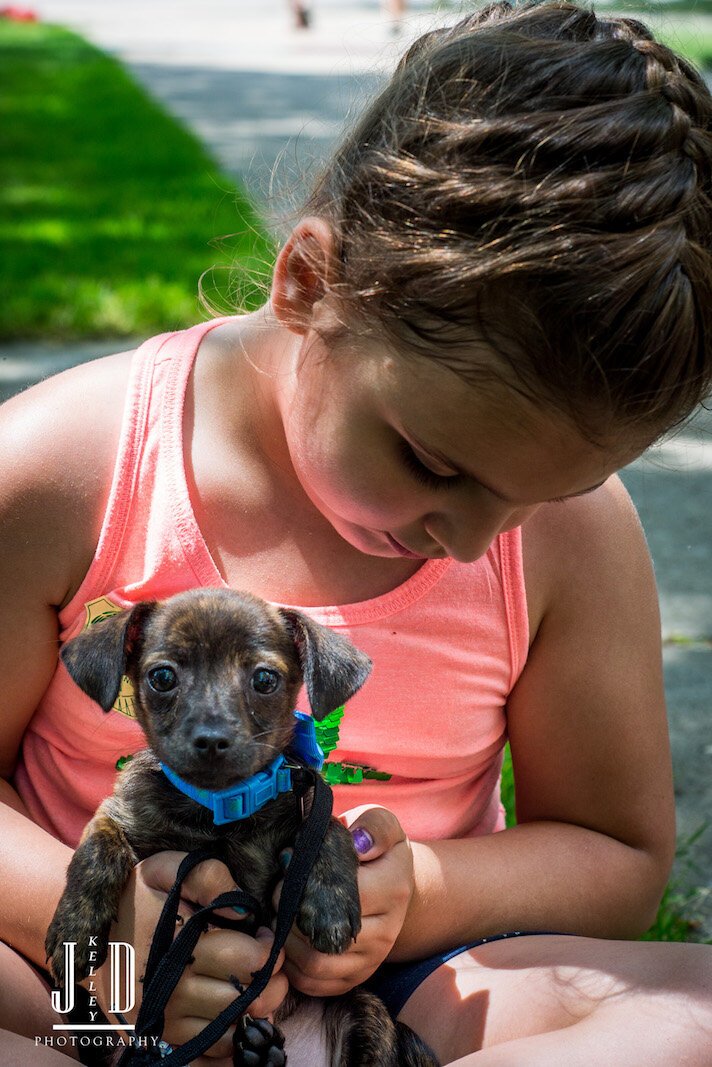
[
  {"x": 265, "y": 681},
  {"x": 424, "y": 474},
  {"x": 162, "y": 679}
]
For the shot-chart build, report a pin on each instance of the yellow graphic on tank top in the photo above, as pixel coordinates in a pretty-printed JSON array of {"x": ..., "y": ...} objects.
[{"x": 96, "y": 611}]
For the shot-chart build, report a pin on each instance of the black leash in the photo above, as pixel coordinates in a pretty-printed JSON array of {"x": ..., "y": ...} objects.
[{"x": 169, "y": 955}]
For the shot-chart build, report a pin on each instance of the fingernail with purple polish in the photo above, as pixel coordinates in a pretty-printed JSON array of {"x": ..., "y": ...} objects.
[{"x": 362, "y": 840}]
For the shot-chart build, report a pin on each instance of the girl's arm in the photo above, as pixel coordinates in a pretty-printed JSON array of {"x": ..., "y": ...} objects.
[
  {"x": 596, "y": 833},
  {"x": 596, "y": 826},
  {"x": 58, "y": 444}
]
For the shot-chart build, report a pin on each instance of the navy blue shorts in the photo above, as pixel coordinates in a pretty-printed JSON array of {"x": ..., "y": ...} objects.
[{"x": 394, "y": 983}]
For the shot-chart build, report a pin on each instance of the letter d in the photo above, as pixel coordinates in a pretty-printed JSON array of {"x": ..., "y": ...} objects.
[{"x": 128, "y": 986}]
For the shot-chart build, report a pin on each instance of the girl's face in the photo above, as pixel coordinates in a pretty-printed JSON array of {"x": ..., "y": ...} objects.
[{"x": 405, "y": 459}]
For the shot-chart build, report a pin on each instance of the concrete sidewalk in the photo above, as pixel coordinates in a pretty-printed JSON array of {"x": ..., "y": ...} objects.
[
  {"x": 254, "y": 89},
  {"x": 267, "y": 99}
]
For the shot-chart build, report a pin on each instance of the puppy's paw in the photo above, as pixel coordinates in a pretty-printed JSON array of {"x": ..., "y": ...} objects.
[
  {"x": 330, "y": 916},
  {"x": 74, "y": 924},
  {"x": 330, "y": 912},
  {"x": 258, "y": 1043}
]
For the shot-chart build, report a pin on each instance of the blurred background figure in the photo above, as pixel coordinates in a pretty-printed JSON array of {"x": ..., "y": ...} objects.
[
  {"x": 394, "y": 10},
  {"x": 302, "y": 15}
]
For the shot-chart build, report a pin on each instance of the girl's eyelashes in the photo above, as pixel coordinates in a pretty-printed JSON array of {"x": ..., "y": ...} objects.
[{"x": 420, "y": 472}]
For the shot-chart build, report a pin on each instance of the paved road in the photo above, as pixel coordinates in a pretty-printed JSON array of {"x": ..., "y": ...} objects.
[{"x": 254, "y": 89}]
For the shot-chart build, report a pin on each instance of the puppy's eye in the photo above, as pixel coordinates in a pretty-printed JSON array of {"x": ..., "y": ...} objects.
[
  {"x": 265, "y": 681},
  {"x": 162, "y": 679}
]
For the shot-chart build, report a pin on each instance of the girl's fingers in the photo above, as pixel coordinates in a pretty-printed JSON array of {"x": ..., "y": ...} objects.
[
  {"x": 223, "y": 962},
  {"x": 367, "y": 945},
  {"x": 205, "y": 882},
  {"x": 222, "y": 953},
  {"x": 374, "y": 830},
  {"x": 384, "y": 886},
  {"x": 208, "y": 997},
  {"x": 190, "y": 1027},
  {"x": 325, "y": 986},
  {"x": 318, "y": 974}
]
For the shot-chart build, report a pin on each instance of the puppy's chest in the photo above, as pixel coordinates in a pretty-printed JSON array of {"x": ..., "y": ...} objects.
[{"x": 154, "y": 822}]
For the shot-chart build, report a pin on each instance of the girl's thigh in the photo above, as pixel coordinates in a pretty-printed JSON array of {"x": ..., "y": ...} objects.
[
  {"x": 24, "y": 1052},
  {"x": 25, "y": 1011},
  {"x": 512, "y": 990}
]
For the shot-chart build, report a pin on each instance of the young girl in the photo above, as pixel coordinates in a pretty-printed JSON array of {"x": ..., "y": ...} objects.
[{"x": 499, "y": 295}]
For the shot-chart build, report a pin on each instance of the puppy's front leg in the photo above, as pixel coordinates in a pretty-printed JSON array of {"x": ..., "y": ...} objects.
[
  {"x": 330, "y": 912},
  {"x": 96, "y": 876}
]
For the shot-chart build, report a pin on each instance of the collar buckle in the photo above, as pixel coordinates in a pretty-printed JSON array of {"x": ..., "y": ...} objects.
[{"x": 247, "y": 797}]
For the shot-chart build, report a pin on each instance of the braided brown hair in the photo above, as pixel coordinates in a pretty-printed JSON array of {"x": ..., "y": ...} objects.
[{"x": 542, "y": 176}]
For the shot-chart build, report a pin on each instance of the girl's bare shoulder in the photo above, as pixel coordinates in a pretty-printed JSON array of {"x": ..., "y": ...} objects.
[
  {"x": 592, "y": 545},
  {"x": 58, "y": 441}
]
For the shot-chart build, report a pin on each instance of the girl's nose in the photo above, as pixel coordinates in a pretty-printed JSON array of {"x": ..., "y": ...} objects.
[
  {"x": 465, "y": 546},
  {"x": 468, "y": 526}
]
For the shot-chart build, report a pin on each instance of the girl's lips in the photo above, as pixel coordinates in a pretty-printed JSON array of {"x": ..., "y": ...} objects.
[{"x": 401, "y": 550}]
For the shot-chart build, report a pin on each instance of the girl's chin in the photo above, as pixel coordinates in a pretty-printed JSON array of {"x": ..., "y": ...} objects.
[
  {"x": 376, "y": 543},
  {"x": 362, "y": 538}
]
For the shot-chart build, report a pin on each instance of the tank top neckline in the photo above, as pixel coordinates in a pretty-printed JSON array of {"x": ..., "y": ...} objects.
[{"x": 193, "y": 543}]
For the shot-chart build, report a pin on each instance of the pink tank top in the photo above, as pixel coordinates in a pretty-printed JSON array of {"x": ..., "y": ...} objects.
[{"x": 424, "y": 736}]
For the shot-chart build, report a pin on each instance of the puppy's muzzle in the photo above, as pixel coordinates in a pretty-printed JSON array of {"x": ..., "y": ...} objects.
[{"x": 210, "y": 742}]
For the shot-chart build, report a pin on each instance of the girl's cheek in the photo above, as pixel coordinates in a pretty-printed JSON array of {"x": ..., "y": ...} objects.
[
  {"x": 346, "y": 473},
  {"x": 517, "y": 517}
]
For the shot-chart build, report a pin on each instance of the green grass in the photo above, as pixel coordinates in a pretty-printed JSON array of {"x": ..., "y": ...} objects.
[
  {"x": 108, "y": 207},
  {"x": 110, "y": 210},
  {"x": 507, "y": 788},
  {"x": 692, "y": 39},
  {"x": 685, "y": 27},
  {"x": 677, "y": 918}
]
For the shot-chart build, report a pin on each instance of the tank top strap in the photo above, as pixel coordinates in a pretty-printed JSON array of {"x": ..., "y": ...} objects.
[
  {"x": 160, "y": 369},
  {"x": 511, "y": 566}
]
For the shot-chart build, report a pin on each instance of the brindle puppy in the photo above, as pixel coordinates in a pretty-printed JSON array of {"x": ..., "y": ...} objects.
[{"x": 216, "y": 675}]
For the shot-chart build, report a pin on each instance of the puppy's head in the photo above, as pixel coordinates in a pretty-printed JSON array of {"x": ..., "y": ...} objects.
[{"x": 216, "y": 675}]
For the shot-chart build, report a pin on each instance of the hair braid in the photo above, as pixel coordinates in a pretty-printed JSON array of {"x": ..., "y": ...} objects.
[{"x": 542, "y": 168}]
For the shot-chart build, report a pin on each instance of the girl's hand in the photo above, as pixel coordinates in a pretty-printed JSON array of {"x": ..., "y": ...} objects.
[
  {"x": 220, "y": 958},
  {"x": 386, "y": 886}
]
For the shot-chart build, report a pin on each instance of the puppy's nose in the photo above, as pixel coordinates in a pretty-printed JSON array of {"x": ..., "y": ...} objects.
[{"x": 211, "y": 742}]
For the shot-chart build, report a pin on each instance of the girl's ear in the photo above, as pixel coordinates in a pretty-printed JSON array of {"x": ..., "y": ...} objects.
[
  {"x": 303, "y": 273},
  {"x": 333, "y": 669},
  {"x": 97, "y": 658}
]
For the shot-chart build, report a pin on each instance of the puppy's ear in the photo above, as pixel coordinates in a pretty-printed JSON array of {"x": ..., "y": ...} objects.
[
  {"x": 333, "y": 669},
  {"x": 97, "y": 658}
]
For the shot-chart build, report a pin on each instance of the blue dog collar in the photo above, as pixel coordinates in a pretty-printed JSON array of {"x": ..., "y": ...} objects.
[
  {"x": 243, "y": 799},
  {"x": 304, "y": 744}
]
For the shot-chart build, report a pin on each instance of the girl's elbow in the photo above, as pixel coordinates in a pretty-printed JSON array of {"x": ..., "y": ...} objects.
[{"x": 650, "y": 876}]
